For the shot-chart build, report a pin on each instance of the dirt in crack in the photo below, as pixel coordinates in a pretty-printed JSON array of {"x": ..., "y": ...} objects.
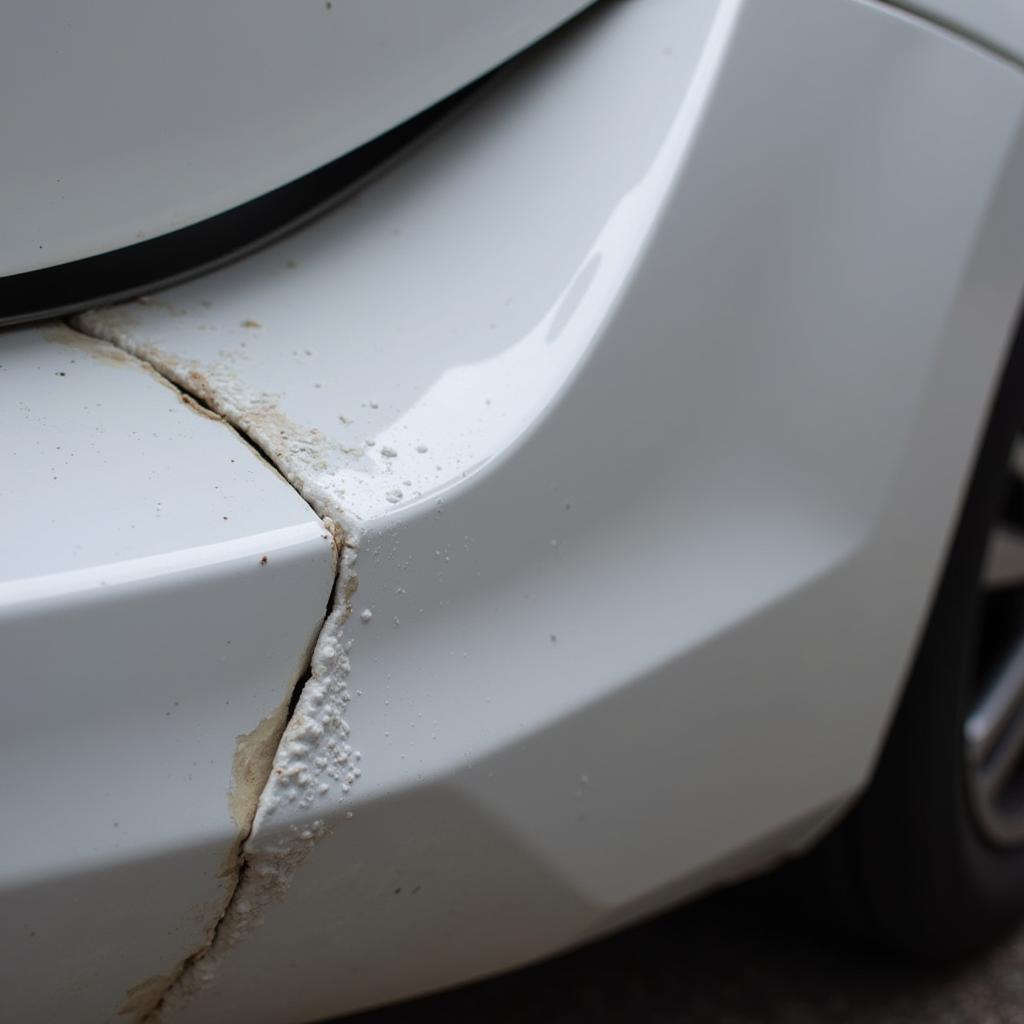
[
  {"x": 275, "y": 799},
  {"x": 312, "y": 759}
]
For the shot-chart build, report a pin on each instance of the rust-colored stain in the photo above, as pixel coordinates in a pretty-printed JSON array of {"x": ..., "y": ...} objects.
[
  {"x": 199, "y": 407},
  {"x": 143, "y": 999},
  {"x": 101, "y": 351},
  {"x": 254, "y": 754}
]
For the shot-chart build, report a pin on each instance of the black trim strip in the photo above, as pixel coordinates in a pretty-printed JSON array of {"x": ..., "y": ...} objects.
[{"x": 174, "y": 257}]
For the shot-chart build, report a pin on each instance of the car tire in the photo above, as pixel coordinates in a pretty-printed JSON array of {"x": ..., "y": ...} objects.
[{"x": 930, "y": 860}]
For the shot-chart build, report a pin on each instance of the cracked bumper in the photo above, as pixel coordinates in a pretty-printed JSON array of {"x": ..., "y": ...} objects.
[
  {"x": 585, "y": 377},
  {"x": 159, "y": 592}
]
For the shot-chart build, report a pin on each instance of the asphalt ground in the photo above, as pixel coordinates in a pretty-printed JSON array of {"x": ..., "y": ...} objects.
[{"x": 734, "y": 958}]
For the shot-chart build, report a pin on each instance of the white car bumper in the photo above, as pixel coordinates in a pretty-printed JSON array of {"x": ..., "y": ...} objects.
[{"x": 644, "y": 391}]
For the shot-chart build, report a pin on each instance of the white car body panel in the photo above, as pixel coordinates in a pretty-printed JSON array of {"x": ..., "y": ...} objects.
[
  {"x": 697, "y": 312},
  {"x": 699, "y": 348},
  {"x": 159, "y": 591},
  {"x": 133, "y": 120}
]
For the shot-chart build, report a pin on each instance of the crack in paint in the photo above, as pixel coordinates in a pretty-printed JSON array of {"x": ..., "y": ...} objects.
[{"x": 298, "y": 754}]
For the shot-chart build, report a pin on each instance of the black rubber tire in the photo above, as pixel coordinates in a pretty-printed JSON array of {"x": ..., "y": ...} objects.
[{"x": 908, "y": 865}]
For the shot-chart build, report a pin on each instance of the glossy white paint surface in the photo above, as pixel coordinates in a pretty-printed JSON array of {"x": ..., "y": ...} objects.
[
  {"x": 995, "y": 23},
  {"x": 159, "y": 588},
  {"x": 698, "y": 322},
  {"x": 122, "y": 121},
  {"x": 446, "y": 308}
]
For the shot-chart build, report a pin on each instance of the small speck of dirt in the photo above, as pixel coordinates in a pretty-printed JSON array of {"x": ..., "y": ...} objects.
[
  {"x": 60, "y": 373},
  {"x": 251, "y": 323},
  {"x": 263, "y": 558}
]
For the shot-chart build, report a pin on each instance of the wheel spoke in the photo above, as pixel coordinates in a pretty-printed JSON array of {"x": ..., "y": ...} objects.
[
  {"x": 1013, "y": 500},
  {"x": 994, "y": 746},
  {"x": 990, "y": 723},
  {"x": 1004, "y": 559},
  {"x": 993, "y": 731},
  {"x": 992, "y": 778},
  {"x": 1017, "y": 459}
]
